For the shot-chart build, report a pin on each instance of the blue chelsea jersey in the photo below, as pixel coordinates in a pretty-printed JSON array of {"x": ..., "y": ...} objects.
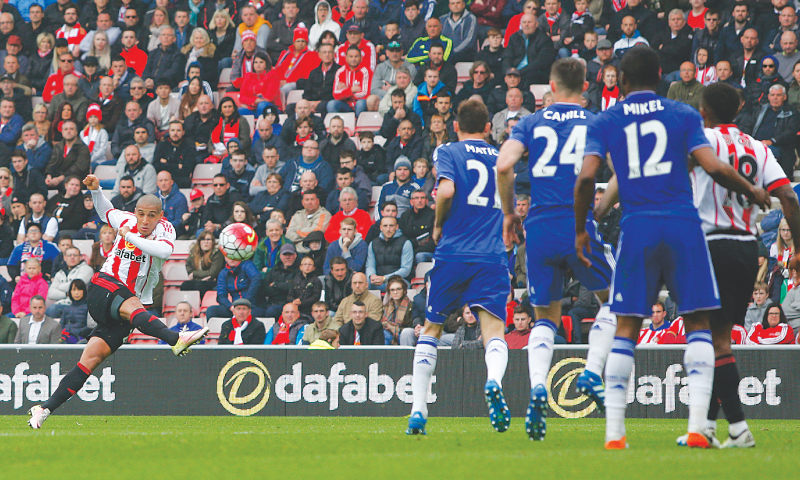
[
  {"x": 649, "y": 139},
  {"x": 556, "y": 139},
  {"x": 473, "y": 231}
]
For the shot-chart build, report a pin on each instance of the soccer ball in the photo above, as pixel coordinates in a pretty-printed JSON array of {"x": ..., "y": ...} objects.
[{"x": 238, "y": 241}]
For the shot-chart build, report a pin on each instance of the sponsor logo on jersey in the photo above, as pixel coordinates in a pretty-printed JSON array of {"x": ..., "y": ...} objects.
[
  {"x": 129, "y": 255},
  {"x": 129, "y": 246},
  {"x": 256, "y": 379}
]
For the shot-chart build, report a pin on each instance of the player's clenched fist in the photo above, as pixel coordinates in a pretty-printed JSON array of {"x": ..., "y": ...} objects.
[{"x": 91, "y": 182}]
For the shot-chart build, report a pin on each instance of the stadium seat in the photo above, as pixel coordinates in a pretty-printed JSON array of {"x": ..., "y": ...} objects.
[
  {"x": 462, "y": 69},
  {"x": 379, "y": 140},
  {"x": 181, "y": 250},
  {"x": 207, "y": 190},
  {"x": 422, "y": 269},
  {"x": 376, "y": 194},
  {"x": 282, "y": 118},
  {"x": 53, "y": 193},
  {"x": 138, "y": 338},
  {"x": 216, "y": 98},
  {"x": 268, "y": 322},
  {"x": 518, "y": 292},
  {"x": 204, "y": 173},
  {"x": 224, "y": 79},
  {"x": 209, "y": 299},
  {"x": 174, "y": 272},
  {"x": 349, "y": 121},
  {"x": 4, "y": 273},
  {"x": 36, "y": 101},
  {"x": 412, "y": 292},
  {"x": 251, "y": 120},
  {"x": 294, "y": 96},
  {"x": 187, "y": 192},
  {"x": 566, "y": 320},
  {"x": 538, "y": 91},
  {"x": 105, "y": 172},
  {"x": 85, "y": 246},
  {"x": 214, "y": 326},
  {"x": 173, "y": 296},
  {"x": 369, "y": 122}
]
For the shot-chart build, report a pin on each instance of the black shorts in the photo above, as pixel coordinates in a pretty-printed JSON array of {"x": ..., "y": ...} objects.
[
  {"x": 736, "y": 267},
  {"x": 105, "y": 295}
]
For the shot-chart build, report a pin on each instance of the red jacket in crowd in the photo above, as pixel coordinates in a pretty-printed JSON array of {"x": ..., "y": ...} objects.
[
  {"x": 369, "y": 56},
  {"x": 135, "y": 58},
  {"x": 777, "y": 335},
  {"x": 343, "y": 85},
  {"x": 55, "y": 84}
]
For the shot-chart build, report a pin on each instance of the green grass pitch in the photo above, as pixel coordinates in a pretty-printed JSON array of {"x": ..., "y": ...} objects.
[{"x": 367, "y": 448}]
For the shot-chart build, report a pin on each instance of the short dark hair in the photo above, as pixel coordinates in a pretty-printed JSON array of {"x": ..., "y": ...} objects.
[
  {"x": 30, "y": 225},
  {"x": 721, "y": 101},
  {"x": 641, "y": 67},
  {"x": 363, "y": 135},
  {"x": 311, "y": 192},
  {"x": 163, "y": 82},
  {"x": 349, "y": 153},
  {"x": 353, "y": 47},
  {"x": 389, "y": 202},
  {"x": 436, "y": 44},
  {"x": 569, "y": 74},
  {"x": 338, "y": 261},
  {"x": 398, "y": 93},
  {"x": 411, "y": 3},
  {"x": 19, "y": 154},
  {"x": 220, "y": 175},
  {"x": 127, "y": 178},
  {"x": 522, "y": 309},
  {"x": 742, "y": 3},
  {"x": 359, "y": 303},
  {"x": 711, "y": 11},
  {"x": 473, "y": 116},
  {"x": 444, "y": 95},
  {"x": 239, "y": 152},
  {"x": 132, "y": 30},
  {"x": 118, "y": 58},
  {"x": 344, "y": 171}
]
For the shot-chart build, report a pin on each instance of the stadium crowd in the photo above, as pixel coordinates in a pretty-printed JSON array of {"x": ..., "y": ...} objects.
[{"x": 142, "y": 93}]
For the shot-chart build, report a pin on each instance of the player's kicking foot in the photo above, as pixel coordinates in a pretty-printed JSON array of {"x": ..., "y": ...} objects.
[
  {"x": 416, "y": 424},
  {"x": 704, "y": 439},
  {"x": 499, "y": 414},
  {"x": 618, "y": 444},
  {"x": 536, "y": 416},
  {"x": 743, "y": 440},
  {"x": 38, "y": 415},
  {"x": 186, "y": 339},
  {"x": 591, "y": 384}
]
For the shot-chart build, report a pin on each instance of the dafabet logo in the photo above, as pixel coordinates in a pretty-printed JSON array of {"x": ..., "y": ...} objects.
[
  {"x": 564, "y": 400},
  {"x": 243, "y": 386}
]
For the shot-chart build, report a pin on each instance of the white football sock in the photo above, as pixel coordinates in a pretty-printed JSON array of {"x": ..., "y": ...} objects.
[
  {"x": 424, "y": 364},
  {"x": 618, "y": 372},
  {"x": 496, "y": 359},
  {"x": 540, "y": 350},
  {"x": 698, "y": 360},
  {"x": 736, "y": 429},
  {"x": 601, "y": 336}
]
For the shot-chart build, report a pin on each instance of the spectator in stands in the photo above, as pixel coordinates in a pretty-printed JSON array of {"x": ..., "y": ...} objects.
[
  {"x": 172, "y": 200},
  {"x": 344, "y": 179},
  {"x": 787, "y": 23},
  {"x": 412, "y": 24},
  {"x": 33, "y": 246},
  {"x": 243, "y": 58},
  {"x": 183, "y": 26},
  {"x": 372, "y": 158},
  {"x": 296, "y": 62},
  {"x": 26, "y": 181},
  {"x": 267, "y": 253},
  {"x": 361, "y": 294},
  {"x": 659, "y": 324},
  {"x": 518, "y": 338},
  {"x": 8, "y": 328},
  {"x": 308, "y": 183},
  {"x": 552, "y": 20},
  {"x": 200, "y": 125},
  {"x": 384, "y": 79},
  {"x": 200, "y": 53},
  {"x": 674, "y": 45},
  {"x": 192, "y": 220},
  {"x": 631, "y": 36},
  {"x": 55, "y": 82},
  {"x": 10, "y": 91},
  {"x": 348, "y": 245},
  {"x": 276, "y": 283},
  {"x": 399, "y": 312},
  {"x": 68, "y": 209},
  {"x": 361, "y": 329},
  {"x": 264, "y": 140},
  {"x": 302, "y": 109},
  {"x": 757, "y": 91},
  {"x": 241, "y": 214},
  {"x": 368, "y": 24},
  {"x": 427, "y": 93},
  {"x": 706, "y": 72},
  {"x": 94, "y": 136},
  {"x": 223, "y": 33},
  {"x": 71, "y": 30},
  {"x": 729, "y": 44},
  {"x": 399, "y": 112},
  {"x": 337, "y": 141},
  {"x": 788, "y": 56},
  {"x": 709, "y": 35},
  {"x": 163, "y": 111},
  {"x": 322, "y": 321},
  {"x": 480, "y": 83},
  {"x": 354, "y": 37},
  {"x": 774, "y": 329},
  {"x": 337, "y": 282},
  {"x": 400, "y": 189},
  {"x": 63, "y": 113},
  {"x": 184, "y": 314},
  {"x": 37, "y": 215},
  {"x": 229, "y": 126},
  {"x": 757, "y": 309},
  {"x": 305, "y": 288},
  {"x": 688, "y": 90},
  {"x": 422, "y": 46},
  {"x": 318, "y": 86},
  {"x": 30, "y": 284},
  {"x": 37, "y": 151},
  {"x": 468, "y": 336},
  {"x": 253, "y": 87},
  {"x": 497, "y": 98},
  {"x": 287, "y": 328},
  {"x": 529, "y": 50},
  {"x": 128, "y": 195},
  {"x": 310, "y": 160},
  {"x": 135, "y": 167},
  {"x": 514, "y": 109},
  {"x": 311, "y": 218},
  {"x": 11, "y": 131},
  {"x": 204, "y": 264},
  {"x": 70, "y": 157},
  {"x": 219, "y": 205},
  {"x": 361, "y": 182},
  {"x": 237, "y": 280},
  {"x": 64, "y": 242},
  {"x": 776, "y": 125},
  {"x": 447, "y": 73},
  {"x": 165, "y": 62},
  {"x": 460, "y": 25},
  {"x": 124, "y": 131},
  {"x": 351, "y": 86},
  {"x": 281, "y": 36},
  {"x": 388, "y": 255},
  {"x": 175, "y": 156},
  {"x": 135, "y": 59},
  {"x": 416, "y": 224},
  {"x": 111, "y": 105},
  {"x": 102, "y": 248},
  {"x": 98, "y": 19},
  {"x": 36, "y": 327},
  {"x": 74, "y": 268},
  {"x": 240, "y": 173},
  {"x": 273, "y": 197},
  {"x": 242, "y": 328},
  {"x": 323, "y": 21}
]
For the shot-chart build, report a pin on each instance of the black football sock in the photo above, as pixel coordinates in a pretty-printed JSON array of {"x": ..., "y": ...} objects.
[
  {"x": 69, "y": 386},
  {"x": 151, "y": 325},
  {"x": 726, "y": 388}
]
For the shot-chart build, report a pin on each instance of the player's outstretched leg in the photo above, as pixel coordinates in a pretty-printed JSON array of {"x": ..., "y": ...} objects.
[
  {"x": 590, "y": 381},
  {"x": 698, "y": 361},
  {"x": 540, "y": 357},
  {"x": 424, "y": 365},
  {"x": 496, "y": 357},
  {"x": 133, "y": 310},
  {"x": 93, "y": 355}
]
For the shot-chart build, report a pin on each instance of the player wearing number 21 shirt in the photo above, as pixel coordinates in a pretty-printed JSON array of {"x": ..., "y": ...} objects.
[{"x": 649, "y": 139}]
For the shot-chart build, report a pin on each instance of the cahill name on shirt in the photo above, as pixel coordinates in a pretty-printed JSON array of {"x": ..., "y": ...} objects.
[
  {"x": 642, "y": 108},
  {"x": 562, "y": 116}
]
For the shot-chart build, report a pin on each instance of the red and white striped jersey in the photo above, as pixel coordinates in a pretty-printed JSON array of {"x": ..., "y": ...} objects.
[
  {"x": 721, "y": 209},
  {"x": 779, "y": 334},
  {"x": 738, "y": 335},
  {"x": 127, "y": 263}
]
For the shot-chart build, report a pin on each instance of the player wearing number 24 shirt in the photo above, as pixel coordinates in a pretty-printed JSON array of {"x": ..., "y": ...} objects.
[{"x": 649, "y": 139}]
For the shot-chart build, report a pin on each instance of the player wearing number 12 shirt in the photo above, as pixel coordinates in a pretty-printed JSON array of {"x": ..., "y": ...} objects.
[
  {"x": 649, "y": 139},
  {"x": 470, "y": 263},
  {"x": 555, "y": 138}
]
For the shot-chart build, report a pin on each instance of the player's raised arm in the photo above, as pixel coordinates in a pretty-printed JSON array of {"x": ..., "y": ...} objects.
[
  {"x": 729, "y": 178},
  {"x": 159, "y": 248},
  {"x": 101, "y": 204},
  {"x": 510, "y": 153}
]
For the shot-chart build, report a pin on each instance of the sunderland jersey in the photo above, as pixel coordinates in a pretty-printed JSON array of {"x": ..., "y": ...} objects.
[
  {"x": 721, "y": 209},
  {"x": 556, "y": 139},
  {"x": 648, "y": 138},
  {"x": 473, "y": 231},
  {"x": 129, "y": 264}
]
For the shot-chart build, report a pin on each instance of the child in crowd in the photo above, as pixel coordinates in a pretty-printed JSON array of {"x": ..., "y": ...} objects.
[{"x": 29, "y": 285}]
